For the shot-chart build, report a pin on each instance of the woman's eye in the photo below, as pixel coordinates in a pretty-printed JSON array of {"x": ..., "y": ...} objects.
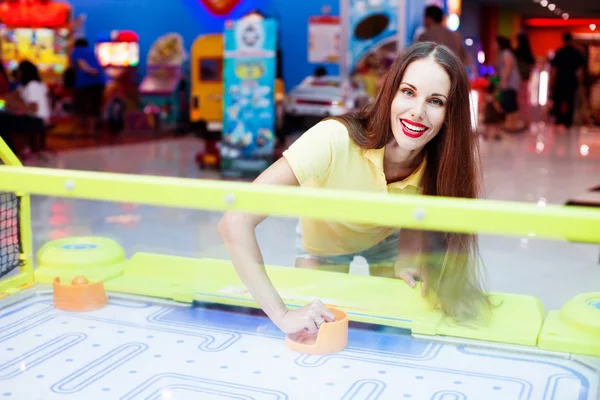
[
  {"x": 407, "y": 92},
  {"x": 437, "y": 102}
]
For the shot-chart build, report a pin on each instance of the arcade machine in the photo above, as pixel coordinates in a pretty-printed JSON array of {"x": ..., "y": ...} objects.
[
  {"x": 207, "y": 91},
  {"x": 373, "y": 39},
  {"x": 163, "y": 90},
  {"x": 40, "y": 31},
  {"x": 119, "y": 55},
  {"x": 206, "y": 111}
]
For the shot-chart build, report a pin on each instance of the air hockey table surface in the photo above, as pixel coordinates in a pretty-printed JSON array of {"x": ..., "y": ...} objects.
[{"x": 141, "y": 348}]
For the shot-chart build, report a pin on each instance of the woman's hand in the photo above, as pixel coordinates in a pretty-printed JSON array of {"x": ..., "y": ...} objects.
[
  {"x": 410, "y": 274},
  {"x": 410, "y": 243},
  {"x": 238, "y": 231},
  {"x": 308, "y": 318}
]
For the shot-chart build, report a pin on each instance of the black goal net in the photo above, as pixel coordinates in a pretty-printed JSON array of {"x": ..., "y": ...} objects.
[{"x": 10, "y": 234}]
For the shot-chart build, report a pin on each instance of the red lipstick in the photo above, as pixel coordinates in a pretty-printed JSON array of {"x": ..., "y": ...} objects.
[{"x": 410, "y": 133}]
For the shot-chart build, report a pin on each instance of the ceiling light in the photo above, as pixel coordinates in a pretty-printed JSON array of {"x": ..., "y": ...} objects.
[
  {"x": 557, "y": 11},
  {"x": 481, "y": 57},
  {"x": 469, "y": 42},
  {"x": 593, "y": 27},
  {"x": 453, "y": 22},
  {"x": 551, "y": 7},
  {"x": 565, "y": 16},
  {"x": 544, "y": 3}
]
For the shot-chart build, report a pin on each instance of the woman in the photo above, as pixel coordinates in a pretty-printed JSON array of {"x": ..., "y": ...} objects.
[
  {"x": 525, "y": 64},
  {"x": 415, "y": 138},
  {"x": 33, "y": 92},
  {"x": 510, "y": 84},
  {"x": 524, "y": 56},
  {"x": 28, "y": 107}
]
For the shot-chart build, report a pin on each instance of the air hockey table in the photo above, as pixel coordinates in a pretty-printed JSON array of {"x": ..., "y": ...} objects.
[{"x": 190, "y": 332}]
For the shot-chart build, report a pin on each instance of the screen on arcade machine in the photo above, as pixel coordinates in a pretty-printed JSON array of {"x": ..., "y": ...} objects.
[
  {"x": 46, "y": 48},
  {"x": 118, "y": 54}
]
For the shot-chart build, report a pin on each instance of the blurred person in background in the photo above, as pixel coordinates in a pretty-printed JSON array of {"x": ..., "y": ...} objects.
[
  {"x": 27, "y": 109},
  {"x": 436, "y": 32},
  {"x": 5, "y": 86},
  {"x": 525, "y": 64},
  {"x": 565, "y": 76},
  {"x": 493, "y": 117},
  {"x": 4, "y": 80},
  {"x": 90, "y": 82},
  {"x": 524, "y": 55},
  {"x": 510, "y": 84}
]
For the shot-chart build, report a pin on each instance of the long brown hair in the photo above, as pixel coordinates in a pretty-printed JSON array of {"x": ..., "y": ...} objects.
[{"x": 450, "y": 261}]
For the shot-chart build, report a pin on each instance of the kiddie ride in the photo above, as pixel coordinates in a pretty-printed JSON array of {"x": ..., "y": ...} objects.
[
  {"x": 214, "y": 102},
  {"x": 207, "y": 91}
]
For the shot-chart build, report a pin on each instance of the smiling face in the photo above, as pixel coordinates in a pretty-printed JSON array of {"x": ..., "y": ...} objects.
[{"x": 418, "y": 110}]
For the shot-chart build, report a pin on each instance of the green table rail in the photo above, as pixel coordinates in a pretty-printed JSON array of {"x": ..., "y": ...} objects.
[{"x": 578, "y": 224}]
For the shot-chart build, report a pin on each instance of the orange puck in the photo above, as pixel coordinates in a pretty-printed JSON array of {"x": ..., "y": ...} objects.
[{"x": 331, "y": 337}]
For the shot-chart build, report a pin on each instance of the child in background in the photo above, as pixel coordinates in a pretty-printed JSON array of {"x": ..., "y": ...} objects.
[
  {"x": 28, "y": 109},
  {"x": 370, "y": 75},
  {"x": 493, "y": 112}
]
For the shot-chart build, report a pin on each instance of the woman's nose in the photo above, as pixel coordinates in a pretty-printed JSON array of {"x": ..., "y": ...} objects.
[{"x": 418, "y": 110}]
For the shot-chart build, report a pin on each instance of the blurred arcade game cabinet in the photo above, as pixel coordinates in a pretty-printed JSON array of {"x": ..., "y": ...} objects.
[
  {"x": 206, "y": 95},
  {"x": 206, "y": 91},
  {"x": 41, "y": 32},
  {"x": 119, "y": 55},
  {"x": 163, "y": 90}
]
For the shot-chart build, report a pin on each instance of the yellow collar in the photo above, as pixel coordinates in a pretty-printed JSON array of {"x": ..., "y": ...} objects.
[{"x": 414, "y": 179}]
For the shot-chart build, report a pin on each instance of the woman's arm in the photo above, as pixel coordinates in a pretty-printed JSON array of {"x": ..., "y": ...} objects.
[
  {"x": 238, "y": 231},
  {"x": 410, "y": 248}
]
